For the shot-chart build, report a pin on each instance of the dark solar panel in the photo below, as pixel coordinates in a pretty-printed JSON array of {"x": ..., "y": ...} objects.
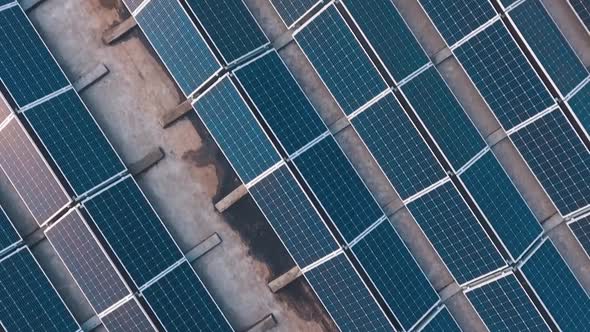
[
  {"x": 340, "y": 60},
  {"x": 580, "y": 105},
  {"x": 28, "y": 301},
  {"x": 178, "y": 43},
  {"x": 396, "y": 275},
  {"x": 236, "y": 130},
  {"x": 581, "y": 229},
  {"x": 281, "y": 102},
  {"x": 291, "y": 10},
  {"x": 503, "y": 75},
  {"x": 29, "y": 173},
  {"x": 558, "y": 158},
  {"x": 86, "y": 260},
  {"x": 133, "y": 230},
  {"x": 456, "y": 234},
  {"x": 128, "y": 317},
  {"x": 75, "y": 142},
  {"x": 557, "y": 287},
  {"x": 8, "y": 235},
  {"x": 293, "y": 217},
  {"x": 582, "y": 9},
  {"x": 346, "y": 297},
  {"x": 182, "y": 302},
  {"x": 396, "y": 144},
  {"x": 443, "y": 321},
  {"x": 389, "y": 35},
  {"x": 339, "y": 188}
]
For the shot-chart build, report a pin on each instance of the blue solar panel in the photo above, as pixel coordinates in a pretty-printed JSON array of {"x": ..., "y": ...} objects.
[
  {"x": 8, "y": 235},
  {"x": 581, "y": 229},
  {"x": 281, "y": 102},
  {"x": 457, "y": 19},
  {"x": 580, "y": 105},
  {"x": 230, "y": 25},
  {"x": 456, "y": 234},
  {"x": 504, "y": 305},
  {"x": 339, "y": 188},
  {"x": 182, "y": 303},
  {"x": 236, "y": 130},
  {"x": 133, "y": 230},
  {"x": 293, "y": 217},
  {"x": 132, "y": 4},
  {"x": 290, "y": 11},
  {"x": 444, "y": 117},
  {"x": 389, "y": 35},
  {"x": 549, "y": 45},
  {"x": 28, "y": 301},
  {"x": 74, "y": 141},
  {"x": 178, "y": 43},
  {"x": 502, "y": 204},
  {"x": 558, "y": 158},
  {"x": 396, "y": 144},
  {"x": 5, "y": 2},
  {"x": 26, "y": 66},
  {"x": 557, "y": 287},
  {"x": 128, "y": 317},
  {"x": 396, "y": 275},
  {"x": 503, "y": 75},
  {"x": 443, "y": 321},
  {"x": 340, "y": 60},
  {"x": 582, "y": 9},
  {"x": 346, "y": 297}
]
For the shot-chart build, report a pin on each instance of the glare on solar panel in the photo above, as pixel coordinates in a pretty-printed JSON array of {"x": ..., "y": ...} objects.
[
  {"x": 5, "y": 109},
  {"x": 132, "y": 5},
  {"x": 128, "y": 317}
]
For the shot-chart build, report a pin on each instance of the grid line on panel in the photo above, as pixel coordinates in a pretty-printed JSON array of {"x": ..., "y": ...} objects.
[
  {"x": 581, "y": 229},
  {"x": 128, "y": 317},
  {"x": 8, "y": 235},
  {"x": 582, "y": 9},
  {"x": 291, "y": 11},
  {"x": 132, "y": 5},
  {"x": 580, "y": 106},
  {"x": 443, "y": 321}
]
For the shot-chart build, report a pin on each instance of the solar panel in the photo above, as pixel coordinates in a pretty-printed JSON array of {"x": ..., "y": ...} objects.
[
  {"x": 389, "y": 35},
  {"x": 502, "y": 204},
  {"x": 558, "y": 158},
  {"x": 396, "y": 144},
  {"x": 558, "y": 288},
  {"x": 582, "y": 9},
  {"x": 178, "y": 43},
  {"x": 133, "y": 4},
  {"x": 86, "y": 261},
  {"x": 28, "y": 69},
  {"x": 456, "y": 234},
  {"x": 396, "y": 275},
  {"x": 338, "y": 187},
  {"x": 444, "y": 117},
  {"x": 236, "y": 130},
  {"x": 6, "y": 2},
  {"x": 133, "y": 230},
  {"x": 340, "y": 60},
  {"x": 503, "y": 305},
  {"x": 74, "y": 141},
  {"x": 581, "y": 229},
  {"x": 549, "y": 45},
  {"x": 128, "y": 317},
  {"x": 29, "y": 173},
  {"x": 346, "y": 297},
  {"x": 281, "y": 102},
  {"x": 457, "y": 19},
  {"x": 443, "y": 321},
  {"x": 8, "y": 235},
  {"x": 28, "y": 301},
  {"x": 230, "y": 25},
  {"x": 580, "y": 105},
  {"x": 290, "y": 11},
  {"x": 182, "y": 303},
  {"x": 503, "y": 75},
  {"x": 293, "y": 217}
]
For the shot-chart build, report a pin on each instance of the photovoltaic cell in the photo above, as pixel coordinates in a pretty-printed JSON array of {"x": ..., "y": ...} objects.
[
  {"x": 230, "y": 25},
  {"x": 86, "y": 261},
  {"x": 395, "y": 274},
  {"x": 346, "y": 297},
  {"x": 133, "y": 230},
  {"x": 293, "y": 217},
  {"x": 503, "y": 75},
  {"x": 236, "y": 130},
  {"x": 582, "y": 8},
  {"x": 133, "y": 4},
  {"x": 339, "y": 188},
  {"x": 457, "y": 19},
  {"x": 502, "y": 204},
  {"x": 28, "y": 301},
  {"x": 8, "y": 235},
  {"x": 444, "y": 117},
  {"x": 443, "y": 321},
  {"x": 396, "y": 144},
  {"x": 178, "y": 43},
  {"x": 28, "y": 70},
  {"x": 504, "y": 305},
  {"x": 580, "y": 105},
  {"x": 389, "y": 35},
  {"x": 557, "y": 287},
  {"x": 581, "y": 229},
  {"x": 29, "y": 173},
  {"x": 75, "y": 142},
  {"x": 5, "y": 2},
  {"x": 128, "y": 317},
  {"x": 549, "y": 45},
  {"x": 182, "y": 303},
  {"x": 558, "y": 158},
  {"x": 281, "y": 102},
  {"x": 340, "y": 60},
  {"x": 456, "y": 234},
  {"x": 290, "y": 11}
]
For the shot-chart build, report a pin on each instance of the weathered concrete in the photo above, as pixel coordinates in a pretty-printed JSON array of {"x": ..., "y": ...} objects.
[
  {"x": 91, "y": 324},
  {"x": 441, "y": 56},
  {"x": 285, "y": 279},
  {"x": 339, "y": 125},
  {"x": 148, "y": 161},
  {"x": 232, "y": 198},
  {"x": 267, "y": 323},
  {"x": 30, "y": 4},
  {"x": 496, "y": 137},
  {"x": 180, "y": 110},
  {"x": 119, "y": 30},
  {"x": 90, "y": 77},
  {"x": 204, "y": 247}
]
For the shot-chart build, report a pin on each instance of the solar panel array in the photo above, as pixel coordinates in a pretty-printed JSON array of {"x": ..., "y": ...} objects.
[
  {"x": 582, "y": 9},
  {"x": 581, "y": 229},
  {"x": 291, "y": 11},
  {"x": 579, "y": 104},
  {"x": 443, "y": 321},
  {"x": 128, "y": 317}
]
